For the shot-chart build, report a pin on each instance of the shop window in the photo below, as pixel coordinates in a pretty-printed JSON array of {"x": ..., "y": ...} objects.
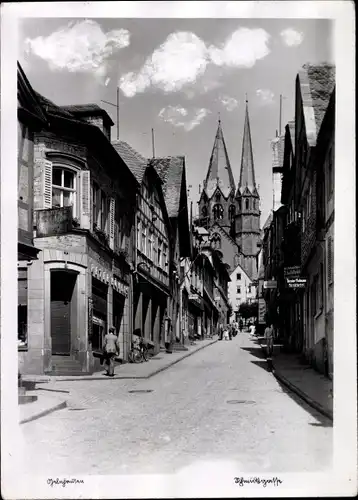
[
  {"x": 64, "y": 189},
  {"x": 22, "y": 309}
]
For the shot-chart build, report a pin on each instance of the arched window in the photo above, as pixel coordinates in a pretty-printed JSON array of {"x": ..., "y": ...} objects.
[
  {"x": 254, "y": 204},
  {"x": 247, "y": 203},
  {"x": 218, "y": 211},
  {"x": 217, "y": 197},
  {"x": 239, "y": 204},
  {"x": 204, "y": 212},
  {"x": 232, "y": 211}
]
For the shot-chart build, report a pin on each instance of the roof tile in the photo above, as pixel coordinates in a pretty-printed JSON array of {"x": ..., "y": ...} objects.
[{"x": 136, "y": 163}]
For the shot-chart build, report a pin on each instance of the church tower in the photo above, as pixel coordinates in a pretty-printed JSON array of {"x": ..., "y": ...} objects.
[
  {"x": 232, "y": 216},
  {"x": 217, "y": 202},
  {"x": 247, "y": 220}
]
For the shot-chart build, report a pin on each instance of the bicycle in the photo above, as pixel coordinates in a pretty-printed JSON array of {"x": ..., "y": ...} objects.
[{"x": 138, "y": 353}]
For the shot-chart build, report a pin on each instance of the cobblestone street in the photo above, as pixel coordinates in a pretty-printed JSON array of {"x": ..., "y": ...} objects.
[{"x": 218, "y": 404}]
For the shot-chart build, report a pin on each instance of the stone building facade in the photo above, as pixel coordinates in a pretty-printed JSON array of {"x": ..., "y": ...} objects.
[{"x": 84, "y": 205}]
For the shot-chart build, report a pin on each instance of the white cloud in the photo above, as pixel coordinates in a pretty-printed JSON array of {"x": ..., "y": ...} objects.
[
  {"x": 80, "y": 46},
  {"x": 181, "y": 117},
  {"x": 184, "y": 57},
  {"x": 265, "y": 95},
  {"x": 242, "y": 49},
  {"x": 230, "y": 103},
  {"x": 291, "y": 37}
]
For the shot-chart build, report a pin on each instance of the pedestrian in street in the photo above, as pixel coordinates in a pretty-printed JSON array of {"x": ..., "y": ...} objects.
[
  {"x": 241, "y": 325},
  {"x": 111, "y": 349},
  {"x": 226, "y": 333},
  {"x": 269, "y": 340},
  {"x": 230, "y": 331},
  {"x": 252, "y": 329},
  {"x": 220, "y": 331}
]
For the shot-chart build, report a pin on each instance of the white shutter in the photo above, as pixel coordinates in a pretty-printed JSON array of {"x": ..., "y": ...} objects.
[
  {"x": 46, "y": 182},
  {"x": 112, "y": 211},
  {"x": 85, "y": 202}
]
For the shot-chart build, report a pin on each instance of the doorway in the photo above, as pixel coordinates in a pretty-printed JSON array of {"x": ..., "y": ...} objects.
[{"x": 62, "y": 287}]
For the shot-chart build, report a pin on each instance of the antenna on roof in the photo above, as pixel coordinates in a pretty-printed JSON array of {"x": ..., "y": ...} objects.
[{"x": 153, "y": 143}]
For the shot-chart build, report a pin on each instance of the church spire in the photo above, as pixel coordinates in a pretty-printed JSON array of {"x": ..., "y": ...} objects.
[
  {"x": 219, "y": 171},
  {"x": 247, "y": 172}
]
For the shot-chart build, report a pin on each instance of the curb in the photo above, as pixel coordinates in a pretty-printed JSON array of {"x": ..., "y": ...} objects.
[
  {"x": 302, "y": 395},
  {"x": 59, "y": 406},
  {"x": 133, "y": 377}
]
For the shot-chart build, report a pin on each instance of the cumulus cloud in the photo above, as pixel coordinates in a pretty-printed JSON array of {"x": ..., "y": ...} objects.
[
  {"x": 181, "y": 117},
  {"x": 229, "y": 103},
  {"x": 242, "y": 49},
  {"x": 81, "y": 46},
  {"x": 291, "y": 37},
  {"x": 265, "y": 95},
  {"x": 183, "y": 58}
]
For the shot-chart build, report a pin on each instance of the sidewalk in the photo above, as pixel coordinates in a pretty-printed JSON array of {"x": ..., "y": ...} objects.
[
  {"x": 311, "y": 386},
  {"x": 47, "y": 404}
]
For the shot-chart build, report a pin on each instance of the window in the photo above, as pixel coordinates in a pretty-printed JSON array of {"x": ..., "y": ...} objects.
[
  {"x": 64, "y": 188},
  {"x": 218, "y": 198},
  {"x": 22, "y": 308},
  {"x": 204, "y": 212},
  {"x": 144, "y": 239},
  {"x": 238, "y": 276},
  {"x": 159, "y": 263},
  {"x": 100, "y": 207},
  {"x": 249, "y": 289},
  {"x": 150, "y": 247},
  {"x": 232, "y": 211},
  {"x": 218, "y": 212},
  {"x": 314, "y": 295},
  {"x": 138, "y": 234},
  {"x": 247, "y": 203},
  {"x": 238, "y": 290},
  {"x": 239, "y": 204},
  {"x": 165, "y": 257},
  {"x": 254, "y": 204}
]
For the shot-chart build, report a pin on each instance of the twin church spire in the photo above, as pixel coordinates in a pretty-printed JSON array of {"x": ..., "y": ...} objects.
[{"x": 220, "y": 174}]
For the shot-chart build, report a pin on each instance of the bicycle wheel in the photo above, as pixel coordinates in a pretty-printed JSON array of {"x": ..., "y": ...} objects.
[{"x": 137, "y": 356}]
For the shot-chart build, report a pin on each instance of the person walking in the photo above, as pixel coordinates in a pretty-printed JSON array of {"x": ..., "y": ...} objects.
[
  {"x": 241, "y": 325},
  {"x": 269, "y": 340},
  {"x": 111, "y": 349},
  {"x": 252, "y": 329}
]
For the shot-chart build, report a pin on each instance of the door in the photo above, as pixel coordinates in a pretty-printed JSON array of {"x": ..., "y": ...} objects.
[{"x": 62, "y": 287}]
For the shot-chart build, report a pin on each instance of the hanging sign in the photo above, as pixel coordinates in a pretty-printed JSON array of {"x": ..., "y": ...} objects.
[
  {"x": 270, "y": 284},
  {"x": 292, "y": 272},
  {"x": 296, "y": 282}
]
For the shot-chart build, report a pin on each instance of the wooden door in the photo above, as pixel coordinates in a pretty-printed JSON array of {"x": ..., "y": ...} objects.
[{"x": 61, "y": 327}]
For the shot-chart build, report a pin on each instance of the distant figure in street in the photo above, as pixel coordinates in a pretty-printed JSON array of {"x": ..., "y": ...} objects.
[
  {"x": 110, "y": 350},
  {"x": 269, "y": 340},
  {"x": 252, "y": 329},
  {"x": 241, "y": 325},
  {"x": 226, "y": 333},
  {"x": 221, "y": 331}
]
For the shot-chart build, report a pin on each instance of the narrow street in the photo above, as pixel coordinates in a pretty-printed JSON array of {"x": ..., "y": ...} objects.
[{"x": 220, "y": 404}]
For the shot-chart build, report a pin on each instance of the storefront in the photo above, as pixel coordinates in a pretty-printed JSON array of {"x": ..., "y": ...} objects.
[{"x": 194, "y": 316}]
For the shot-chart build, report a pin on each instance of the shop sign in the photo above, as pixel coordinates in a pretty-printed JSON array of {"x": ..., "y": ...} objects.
[
  {"x": 271, "y": 284},
  {"x": 292, "y": 272},
  {"x": 108, "y": 278},
  {"x": 262, "y": 311},
  {"x": 296, "y": 282}
]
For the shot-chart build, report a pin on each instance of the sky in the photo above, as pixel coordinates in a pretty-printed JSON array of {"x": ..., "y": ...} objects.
[{"x": 178, "y": 76}]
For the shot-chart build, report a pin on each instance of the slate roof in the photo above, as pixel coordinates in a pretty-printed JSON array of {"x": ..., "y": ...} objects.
[
  {"x": 88, "y": 110},
  {"x": 52, "y": 108},
  {"x": 247, "y": 171},
  {"x": 316, "y": 82},
  {"x": 136, "y": 163},
  {"x": 170, "y": 171},
  {"x": 219, "y": 171}
]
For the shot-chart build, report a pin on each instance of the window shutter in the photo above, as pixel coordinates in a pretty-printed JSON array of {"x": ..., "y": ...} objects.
[
  {"x": 330, "y": 259},
  {"x": 85, "y": 204},
  {"x": 46, "y": 182},
  {"x": 112, "y": 211}
]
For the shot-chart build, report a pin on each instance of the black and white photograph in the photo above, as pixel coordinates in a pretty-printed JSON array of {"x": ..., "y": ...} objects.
[{"x": 177, "y": 231}]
